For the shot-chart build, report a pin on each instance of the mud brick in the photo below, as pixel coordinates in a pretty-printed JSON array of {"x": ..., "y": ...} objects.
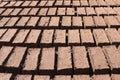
[
  {"x": 101, "y": 77},
  {"x": 3, "y": 21},
  {"x": 16, "y": 57},
  {"x": 23, "y": 77},
  {"x": 47, "y": 36},
  {"x": 16, "y": 11},
  {"x": 25, "y": 11},
  {"x": 77, "y": 21},
  {"x": 81, "y": 77},
  {"x": 100, "y": 37},
  {"x": 67, "y": 3},
  {"x": 109, "y": 10},
  {"x": 41, "y": 77},
  {"x": 111, "y": 21},
  {"x": 2, "y": 31},
  {"x": 100, "y": 11},
  {"x": 12, "y": 21},
  {"x": 33, "y": 3},
  {"x": 49, "y": 3},
  {"x": 52, "y": 11},
  {"x": 8, "y": 35},
  {"x": 18, "y": 3},
  {"x": 54, "y": 21},
  {"x": 88, "y": 22},
  {"x": 115, "y": 76},
  {"x": 81, "y": 11},
  {"x": 81, "y": 64},
  {"x": 84, "y": 3},
  {"x": 113, "y": 57},
  {"x": 43, "y": 11},
  {"x": 33, "y": 21},
  {"x": 60, "y": 36},
  {"x": 10, "y": 4},
  {"x": 20, "y": 37},
  {"x": 44, "y": 21},
  {"x": 31, "y": 59},
  {"x": 93, "y": 3},
  {"x": 58, "y": 3},
  {"x": 99, "y": 21},
  {"x": 2, "y": 4},
  {"x": 102, "y": 3},
  {"x": 5, "y": 76},
  {"x": 66, "y": 21},
  {"x": 86, "y": 36},
  {"x": 22, "y": 21},
  {"x": 62, "y": 77},
  {"x": 73, "y": 37},
  {"x": 33, "y": 11},
  {"x": 64, "y": 65},
  {"x": 110, "y": 2},
  {"x": 47, "y": 59},
  {"x": 42, "y": 3},
  {"x": 76, "y": 3},
  {"x": 4, "y": 52},
  {"x": 7, "y": 11},
  {"x": 33, "y": 36},
  {"x": 98, "y": 60},
  {"x": 26, "y": 3},
  {"x": 90, "y": 11},
  {"x": 61, "y": 11},
  {"x": 113, "y": 35},
  {"x": 1, "y": 10},
  {"x": 70, "y": 11}
]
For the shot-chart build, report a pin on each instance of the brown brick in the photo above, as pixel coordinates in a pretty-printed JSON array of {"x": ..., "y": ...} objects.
[
  {"x": 118, "y": 18},
  {"x": 10, "y": 4},
  {"x": 61, "y": 11},
  {"x": 66, "y": 21},
  {"x": 58, "y": 3},
  {"x": 25, "y": 11},
  {"x": 93, "y": 3},
  {"x": 54, "y": 21},
  {"x": 1, "y": 10},
  {"x": 16, "y": 57},
  {"x": 33, "y": 11},
  {"x": 5, "y": 76},
  {"x": 60, "y": 36},
  {"x": 2, "y": 4},
  {"x": 7, "y": 11},
  {"x": 43, "y": 11},
  {"x": 62, "y": 77},
  {"x": 86, "y": 36},
  {"x": 52, "y": 11},
  {"x": 73, "y": 37},
  {"x": 49, "y": 3},
  {"x": 81, "y": 77},
  {"x": 41, "y": 77},
  {"x": 4, "y": 52},
  {"x": 18, "y": 3},
  {"x": 81, "y": 11},
  {"x": 113, "y": 35},
  {"x": 115, "y": 76},
  {"x": 33, "y": 36},
  {"x": 33, "y": 3},
  {"x": 76, "y": 3},
  {"x": 101, "y": 77},
  {"x": 110, "y": 11},
  {"x": 77, "y": 21},
  {"x": 100, "y": 37},
  {"x": 110, "y": 2},
  {"x": 70, "y": 11},
  {"x": 100, "y": 11},
  {"x": 101, "y": 3},
  {"x": 26, "y": 3},
  {"x": 90, "y": 11},
  {"x": 22, "y": 21},
  {"x": 23, "y": 77},
  {"x": 2, "y": 31},
  {"x": 44, "y": 21},
  {"x": 8, "y": 35},
  {"x": 16, "y": 11},
  {"x": 117, "y": 9},
  {"x": 33, "y": 21},
  {"x": 47, "y": 59},
  {"x": 21, "y": 35},
  {"x": 84, "y": 3},
  {"x": 98, "y": 60},
  {"x": 3, "y": 21},
  {"x": 42, "y": 3},
  {"x": 47, "y": 36},
  {"x": 67, "y": 3},
  {"x": 31, "y": 59}
]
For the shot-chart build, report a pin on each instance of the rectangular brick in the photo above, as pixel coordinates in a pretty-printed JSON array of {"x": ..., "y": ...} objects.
[
  {"x": 8, "y": 35},
  {"x": 84, "y": 3},
  {"x": 21, "y": 35},
  {"x": 93, "y": 3},
  {"x": 33, "y": 3},
  {"x": 33, "y": 11},
  {"x": 86, "y": 36},
  {"x": 18, "y": 3},
  {"x": 76, "y": 3},
  {"x": 12, "y": 21},
  {"x": 7, "y": 11},
  {"x": 70, "y": 11},
  {"x": 61, "y": 11},
  {"x": 5, "y": 76},
  {"x": 42, "y": 3},
  {"x": 54, "y": 21},
  {"x": 2, "y": 31},
  {"x": 41, "y": 77},
  {"x": 44, "y": 21},
  {"x": 43, "y": 11},
  {"x": 58, "y": 3},
  {"x": 26, "y": 3},
  {"x": 102, "y": 3},
  {"x": 2, "y": 4},
  {"x": 117, "y": 9},
  {"x": 73, "y": 37},
  {"x": 90, "y": 11},
  {"x": 62, "y": 77},
  {"x": 33, "y": 36},
  {"x": 77, "y": 21},
  {"x": 47, "y": 59},
  {"x": 99, "y": 21},
  {"x": 110, "y": 11},
  {"x": 3, "y": 21},
  {"x": 23, "y": 77},
  {"x": 101, "y": 77},
  {"x": 60, "y": 36},
  {"x": 81, "y": 11},
  {"x": 100, "y": 37},
  {"x": 31, "y": 59},
  {"x": 33, "y": 21},
  {"x": 81, "y": 64},
  {"x": 16, "y": 11},
  {"x": 4, "y": 52},
  {"x": 47, "y": 37},
  {"x": 110, "y": 2},
  {"x": 67, "y": 3},
  {"x": 81, "y": 77},
  {"x": 98, "y": 60},
  {"x": 66, "y": 21},
  {"x": 10, "y": 4},
  {"x": 22, "y": 21},
  {"x": 64, "y": 63},
  {"x": 52, "y": 11},
  {"x": 113, "y": 35},
  {"x": 88, "y": 22},
  {"x": 16, "y": 57},
  {"x": 100, "y": 11},
  {"x": 113, "y": 57},
  {"x": 49, "y": 3},
  {"x": 2, "y": 10},
  {"x": 25, "y": 11}
]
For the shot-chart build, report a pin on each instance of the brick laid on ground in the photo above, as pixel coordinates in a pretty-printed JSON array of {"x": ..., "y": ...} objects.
[
  {"x": 25, "y": 11},
  {"x": 100, "y": 11},
  {"x": 61, "y": 11},
  {"x": 41, "y": 77},
  {"x": 3, "y": 21},
  {"x": 77, "y": 21},
  {"x": 54, "y": 21},
  {"x": 2, "y": 31},
  {"x": 66, "y": 21},
  {"x": 81, "y": 77},
  {"x": 33, "y": 21},
  {"x": 22, "y": 21},
  {"x": 62, "y": 77},
  {"x": 23, "y": 77},
  {"x": 44, "y": 21},
  {"x": 43, "y": 11},
  {"x": 90, "y": 11},
  {"x": 70, "y": 11},
  {"x": 5, "y": 76},
  {"x": 101, "y": 77},
  {"x": 81, "y": 11},
  {"x": 52, "y": 11},
  {"x": 16, "y": 57},
  {"x": 7, "y": 11},
  {"x": 33, "y": 11},
  {"x": 15, "y": 11}
]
